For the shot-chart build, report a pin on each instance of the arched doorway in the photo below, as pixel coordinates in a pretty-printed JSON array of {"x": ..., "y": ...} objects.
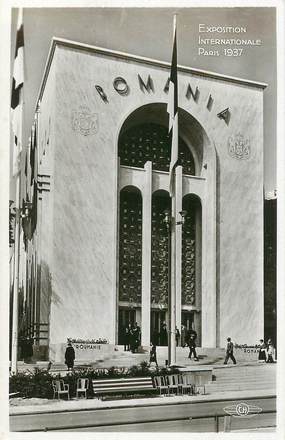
[
  {"x": 144, "y": 155},
  {"x": 191, "y": 265},
  {"x": 159, "y": 267},
  {"x": 130, "y": 258}
]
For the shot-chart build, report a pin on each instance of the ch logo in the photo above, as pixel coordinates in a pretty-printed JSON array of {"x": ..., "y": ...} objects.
[{"x": 242, "y": 410}]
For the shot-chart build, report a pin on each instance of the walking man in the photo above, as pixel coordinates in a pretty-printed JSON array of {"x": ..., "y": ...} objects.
[
  {"x": 270, "y": 352},
  {"x": 192, "y": 336},
  {"x": 230, "y": 352},
  {"x": 69, "y": 356},
  {"x": 152, "y": 355}
]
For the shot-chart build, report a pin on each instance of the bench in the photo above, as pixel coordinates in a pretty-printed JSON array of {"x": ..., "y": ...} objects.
[
  {"x": 122, "y": 386},
  {"x": 11, "y": 395}
]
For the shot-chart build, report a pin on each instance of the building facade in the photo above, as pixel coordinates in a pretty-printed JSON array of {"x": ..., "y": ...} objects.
[{"x": 101, "y": 245}]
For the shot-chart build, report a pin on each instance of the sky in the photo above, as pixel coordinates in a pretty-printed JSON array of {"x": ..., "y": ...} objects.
[{"x": 148, "y": 32}]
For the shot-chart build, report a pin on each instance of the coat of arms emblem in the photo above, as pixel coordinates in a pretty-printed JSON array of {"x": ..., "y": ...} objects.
[
  {"x": 84, "y": 121},
  {"x": 239, "y": 147}
]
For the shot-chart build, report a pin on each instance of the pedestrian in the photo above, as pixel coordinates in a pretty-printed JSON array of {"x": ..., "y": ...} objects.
[
  {"x": 138, "y": 334},
  {"x": 29, "y": 352},
  {"x": 163, "y": 334},
  {"x": 152, "y": 354},
  {"x": 262, "y": 351},
  {"x": 230, "y": 352},
  {"x": 132, "y": 339},
  {"x": 270, "y": 352},
  {"x": 135, "y": 338},
  {"x": 177, "y": 336},
  {"x": 23, "y": 345},
  {"x": 69, "y": 356},
  {"x": 191, "y": 341},
  {"x": 183, "y": 335},
  {"x": 155, "y": 337},
  {"x": 126, "y": 334}
]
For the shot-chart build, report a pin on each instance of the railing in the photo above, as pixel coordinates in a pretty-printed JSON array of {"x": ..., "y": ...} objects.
[{"x": 217, "y": 420}]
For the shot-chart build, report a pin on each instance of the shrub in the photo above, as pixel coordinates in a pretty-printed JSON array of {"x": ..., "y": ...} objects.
[
  {"x": 38, "y": 383},
  {"x": 32, "y": 384}
]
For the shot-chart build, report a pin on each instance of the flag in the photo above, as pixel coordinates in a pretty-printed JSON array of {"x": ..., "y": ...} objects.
[
  {"x": 172, "y": 109},
  {"x": 33, "y": 151},
  {"x": 17, "y": 95}
]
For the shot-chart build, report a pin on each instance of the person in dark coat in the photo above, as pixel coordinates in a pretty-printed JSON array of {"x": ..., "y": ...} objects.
[
  {"x": 191, "y": 341},
  {"x": 262, "y": 351},
  {"x": 23, "y": 345},
  {"x": 136, "y": 333},
  {"x": 270, "y": 352},
  {"x": 155, "y": 337},
  {"x": 69, "y": 356},
  {"x": 183, "y": 335},
  {"x": 127, "y": 334},
  {"x": 163, "y": 334},
  {"x": 230, "y": 351},
  {"x": 177, "y": 336},
  {"x": 152, "y": 354},
  {"x": 28, "y": 349}
]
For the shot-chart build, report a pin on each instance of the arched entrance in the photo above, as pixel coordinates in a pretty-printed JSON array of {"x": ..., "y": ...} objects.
[
  {"x": 144, "y": 156},
  {"x": 130, "y": 258}
]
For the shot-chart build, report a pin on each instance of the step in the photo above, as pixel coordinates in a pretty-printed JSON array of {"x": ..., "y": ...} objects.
[
  {"x": 222, "y": 383},
  {"x": 211, "y": 390},
  {"x": 245, "y": 377},
  {"x": 243, "y": 385}
]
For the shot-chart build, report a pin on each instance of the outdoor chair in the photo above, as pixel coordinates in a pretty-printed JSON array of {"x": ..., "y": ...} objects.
[
  {"x": 173, "y": 384},
  {"x": 199, "y": 387},
  {"x": 59, "y": 388},
  {"x": 185, "y": 385},
  {"x": 82, "y": 387},
  {"x": 161, "y": 385}
]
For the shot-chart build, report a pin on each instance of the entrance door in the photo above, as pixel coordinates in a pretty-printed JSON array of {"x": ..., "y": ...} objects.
[
  {"x": 187, "y": 319},
  {"x": 126, "y": 316},
  {"x": 156, "y": 321}
]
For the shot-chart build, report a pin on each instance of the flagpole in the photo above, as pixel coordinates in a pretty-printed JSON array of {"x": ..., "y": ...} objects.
[
  {"x": 14, "y": 351},
  {"x": 172, "y": 109},
  {"x": 172, "y": 284},
  {"x": 17, "y": 100}
]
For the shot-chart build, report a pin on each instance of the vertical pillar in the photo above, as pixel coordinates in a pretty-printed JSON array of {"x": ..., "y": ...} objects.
[
  {"x": 146, "y": 255},
  {"x": 15, "y": 309},
  {"x": 172, "y": 283},
  {"x": 208, "y": 274},
  {"x": 179, "y": 195},
  {"x": 117, "y": 253}
]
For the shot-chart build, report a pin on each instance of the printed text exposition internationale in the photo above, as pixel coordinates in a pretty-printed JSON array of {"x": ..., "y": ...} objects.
[{"x": 229, "y": 41}]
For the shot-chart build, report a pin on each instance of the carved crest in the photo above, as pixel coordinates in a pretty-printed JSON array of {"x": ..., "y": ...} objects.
[
  {"x": 239, "y": 147},
  {"x": 84, "y": 121}
]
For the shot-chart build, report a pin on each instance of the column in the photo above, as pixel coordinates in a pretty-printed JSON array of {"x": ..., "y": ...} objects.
[
  {"x": 208, "y": 305},
  {"x": 178, "y": 184},
  {"x": 146, "y": 255}
]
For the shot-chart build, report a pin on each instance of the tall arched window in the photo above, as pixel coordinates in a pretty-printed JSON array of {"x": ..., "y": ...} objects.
[
  {"x": 130, "y": 245},
  {"x": 189, "y": 250},
  {"x": 159, "y": 249}
]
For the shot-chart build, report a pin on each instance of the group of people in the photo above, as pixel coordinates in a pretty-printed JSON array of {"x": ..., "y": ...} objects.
[
  {"x": 186, "y": 338},
  {"x": 26, "y": 344},
  {"x": 132, "y": 337},
  {"x": 266, "y": 351}
]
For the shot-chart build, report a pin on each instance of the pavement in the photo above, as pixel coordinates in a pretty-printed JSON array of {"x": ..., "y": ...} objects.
[
  {"x": 247, "y": 373},
  {"x": 20, "y": 406}
]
